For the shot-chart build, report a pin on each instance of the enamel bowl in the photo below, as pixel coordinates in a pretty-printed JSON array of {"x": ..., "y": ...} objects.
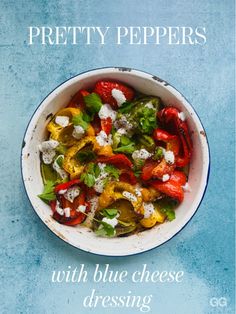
[{"x": 80, "y": 236}]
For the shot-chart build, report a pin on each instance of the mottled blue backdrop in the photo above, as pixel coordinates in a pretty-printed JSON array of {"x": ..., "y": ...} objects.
[{"x": 204, "y": 250}]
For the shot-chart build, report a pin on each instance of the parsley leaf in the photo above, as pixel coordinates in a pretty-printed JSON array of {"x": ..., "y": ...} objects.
[
  {"x": 90, "y": 175},
  {"x": 147, "y": 120},
  {"x": 112, "y": 171},
  {"x": 93, "y": 102},
  {"x": 128, "y": 149},
  {"x": 48, "y": 192},
  {"x": 158, "y": 153},
  {"x": 80, "y": 120},
  {"x": 105, "y": 230},
  {"x": 109, "y": 212},
  {"x": 167, "y": 207},
  {"x": 126, "y": 107}
]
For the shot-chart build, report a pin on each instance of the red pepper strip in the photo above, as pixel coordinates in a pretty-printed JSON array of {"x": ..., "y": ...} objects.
[
  {"x": 156, "y": 169},
  {"x": 147, "y": 170},
  {"x": 118, "y": 160},
  {"x": 106, "y": 125},
  {"x": 170, "y": 188},
  {"x": 66, "y": 185},
  {"x": 178, "y": 177},
  {"x": 53, "y": 205},
  {"x": 75, "y": 217},
  {"x": 128, "y": 176},
  {"x": 163, "y": 168},
  {"x": 172, "y": 141},
  {"x": 171, "y": 114},
  {"x": 96, "y": 124},
  {"x": 77, "y": 100}
]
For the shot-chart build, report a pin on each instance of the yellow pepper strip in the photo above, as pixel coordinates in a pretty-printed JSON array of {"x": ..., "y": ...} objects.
[
  {"x": 156, "y": 217},
  {"x": 149, "y": 194},
  {"x": 64, "y": 135},
  {"x": 70, "y": 163},
  {"x": 105, "y": 151},
  {"x": 56, "y": 129},
  {"x": 114, "y": 191}
]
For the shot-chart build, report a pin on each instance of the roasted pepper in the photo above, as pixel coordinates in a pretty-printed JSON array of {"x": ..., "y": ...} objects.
[
  {"x": 114, "y": 191},
  {"x": 71, "y": 164},
  {"x": 118, "y": 160},
  {"x": 171, "y": 115}
]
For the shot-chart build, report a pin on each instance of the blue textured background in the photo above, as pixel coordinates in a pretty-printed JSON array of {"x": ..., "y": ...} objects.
[{"x": 204, "y": 74}]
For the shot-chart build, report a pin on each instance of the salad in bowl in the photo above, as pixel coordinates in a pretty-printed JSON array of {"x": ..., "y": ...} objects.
[{"x": 115, "y": 160}]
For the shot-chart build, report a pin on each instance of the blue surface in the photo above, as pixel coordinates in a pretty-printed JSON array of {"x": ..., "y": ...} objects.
[{"x": 204, "y": 250}]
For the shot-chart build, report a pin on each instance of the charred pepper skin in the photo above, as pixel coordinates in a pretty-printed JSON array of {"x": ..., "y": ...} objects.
[{"x": 171, "y": 115}]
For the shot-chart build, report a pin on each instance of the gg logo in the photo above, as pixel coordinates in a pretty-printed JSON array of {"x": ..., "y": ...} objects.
[{"x": 218, "y": 302}]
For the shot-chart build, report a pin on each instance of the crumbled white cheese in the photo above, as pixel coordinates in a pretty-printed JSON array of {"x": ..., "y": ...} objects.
[
  {"x": 169, "y": 156},
  {"x": 123, "y": 123},
  {"x": 122, "y": 131},
  {"x": 81, "y": 208},
  {"x": 149, "y": 105},
  {"x": 182, "y": 116},
  {"x": 112, "y": 222},
  {"x": 99, "y": 181},
  {"x": 93, "y": 203},
  {"x": 61, "y": 192},
  {"x": 58, "y": 169},
  {"x": 106, "y": 111},
  {"x": 47, "y": 149},
  {"x": 103, "y": 139},
  {"x": 186, "y": 187},
  {"x": 48, "y": 156},
  {"x": 59, "y": 210},
  {"x": 131, "y": 197},
  {"x": 72, "y": 193},
  {"x": 165, "y": 177},
  {"x": 78, "y": 132},
  {"x": 148, "y": 209},
  {"x": 48, "y": 145},
  {"x": 141, "y": 154},
  {"x": 119, "y": 96},
  {"x": 63, "y": 121},
  {"x": 138, "y": 191},
  {"x": 67, "y": 211}
]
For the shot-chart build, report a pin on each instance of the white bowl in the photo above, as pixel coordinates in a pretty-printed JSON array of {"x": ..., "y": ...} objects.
[{"x": 80, "y": 236}]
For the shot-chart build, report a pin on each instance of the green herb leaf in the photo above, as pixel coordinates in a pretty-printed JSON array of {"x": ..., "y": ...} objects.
[
  {"x": 79, "y": 120},
  {"x": 59, "y": 160},
  {"x": 105, "y": 229},
  {"x": 124, "y": 140},
  {"x": 112, "y": 171},
  {"x": 126, "y": 107},
  {"x": 158, "y": 154},
  {"x": 48, "y": 192},
  {"x": 93, "y": 102},
  {"x": 128, "y": 149},
  {"x": 147, "y": 120},
  {"x": 167, "y": 207},
  {"x": 85, "y": 156},
  {"x": 170, "y": 214},
  {"x": 88, "y": 179},
  {"x": 89, "y": 176},
  {"x": 110, "y": 212}
]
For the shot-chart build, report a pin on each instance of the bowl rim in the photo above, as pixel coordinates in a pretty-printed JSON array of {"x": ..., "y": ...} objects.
[{"x": 166, "y": 85}]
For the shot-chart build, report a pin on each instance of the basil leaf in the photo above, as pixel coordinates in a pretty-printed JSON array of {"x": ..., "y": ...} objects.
[{"x": 93, "y": 102}]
